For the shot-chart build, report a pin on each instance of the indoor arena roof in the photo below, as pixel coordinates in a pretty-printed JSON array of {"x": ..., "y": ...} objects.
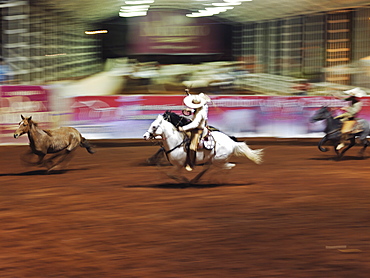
[{"x": 243, "y": 11}]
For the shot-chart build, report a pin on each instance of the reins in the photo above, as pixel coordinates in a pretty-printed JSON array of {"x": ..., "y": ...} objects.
[{"x": 183, "y": 142}]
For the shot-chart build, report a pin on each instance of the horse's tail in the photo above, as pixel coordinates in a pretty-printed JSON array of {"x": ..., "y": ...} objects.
[
  {"x": 242, "y": 149},
  {"x": 85, "y": 144}
]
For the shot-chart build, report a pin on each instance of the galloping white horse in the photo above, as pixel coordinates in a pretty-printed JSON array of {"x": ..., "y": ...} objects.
[{"x": 174, "y": 145}]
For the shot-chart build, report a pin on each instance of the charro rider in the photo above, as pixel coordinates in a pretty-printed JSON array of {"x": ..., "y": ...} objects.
[
  {"x": 195, "y": 129},
  {"x": 351, "y": 111}
]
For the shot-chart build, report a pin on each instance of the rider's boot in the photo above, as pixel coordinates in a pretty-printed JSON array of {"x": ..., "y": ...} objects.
[
  {"x": 190, "y": 160},
  {"x": 343, "y": 139}
]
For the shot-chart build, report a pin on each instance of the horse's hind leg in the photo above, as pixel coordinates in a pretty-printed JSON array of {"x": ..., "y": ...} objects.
[
  {"x": 365, "y": 143},
  {"x": 51, "y": 162},
  {"x": 62, "y": 156},
  {"x": 85, "y": 144},
  {"x": 54, "y": 162},
  {"x": 197, "y": 177}
]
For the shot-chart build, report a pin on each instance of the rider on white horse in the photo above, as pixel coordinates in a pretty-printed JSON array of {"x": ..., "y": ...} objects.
[
  {"x": 351, "y": 111},
  {"x": 195, "y": 129}
]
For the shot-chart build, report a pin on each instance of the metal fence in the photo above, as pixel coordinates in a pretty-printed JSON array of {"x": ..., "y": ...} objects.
[
  {"x": 41, "y": 45},
  {"x": 331, "y": 48}
]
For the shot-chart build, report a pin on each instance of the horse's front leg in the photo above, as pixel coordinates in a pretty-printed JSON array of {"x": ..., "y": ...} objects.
[
  {"x": 154, "y": 159},
  {"x": 40, "y": 159},
  {"x": 62, "y": 155},
  {"x": 197, "y": 177},
  {"x": 54, "y": 161},
  {"x": 351, "y": 144},
  {"x": 28, "y": 158},
  {"x": 175, "y": 175},
  {"x": 321, "y": 144}
]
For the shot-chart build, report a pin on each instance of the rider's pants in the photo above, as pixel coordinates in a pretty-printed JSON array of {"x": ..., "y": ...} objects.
[{"x": 194, "y": 135}]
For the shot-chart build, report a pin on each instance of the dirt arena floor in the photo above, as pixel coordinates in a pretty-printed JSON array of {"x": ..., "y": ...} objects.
[{"x": 299, "y": 214}]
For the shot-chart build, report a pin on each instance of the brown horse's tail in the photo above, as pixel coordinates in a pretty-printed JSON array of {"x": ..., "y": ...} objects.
[{"x": 85, "y": 144}]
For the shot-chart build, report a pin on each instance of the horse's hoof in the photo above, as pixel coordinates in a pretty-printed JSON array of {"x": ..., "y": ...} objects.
[
  {"x": 54, "y": 168},
  {"x": 188, "y": 168},
  {"x": 228, "y": 166},
  {"x": 340, "y": 146}
]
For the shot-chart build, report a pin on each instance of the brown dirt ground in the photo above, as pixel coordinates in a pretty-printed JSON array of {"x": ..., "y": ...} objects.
[{"x": 300, "y": 214}]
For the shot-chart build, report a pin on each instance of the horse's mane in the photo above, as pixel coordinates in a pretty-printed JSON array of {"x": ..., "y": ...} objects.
[
  {"x": 181, "y": 121},
  {"x": 184, "y": 121},
  {"x": 47, "y": 131}
]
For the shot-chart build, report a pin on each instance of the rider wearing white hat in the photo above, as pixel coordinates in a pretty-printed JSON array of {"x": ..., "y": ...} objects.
[
  {"x": 349, "y": 116},
  {"x": 199, "y": 122}
]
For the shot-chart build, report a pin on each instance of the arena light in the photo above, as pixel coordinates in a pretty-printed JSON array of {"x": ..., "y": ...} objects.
[
  {"x": 56, "y": 54},
  {"x": 221, "y": 4},
  {"x": 228, "y": 7},
  {"x": 132, "y": 14},
  {"x": 96, "y": 32},
  {"x": 197, "y": 15},
  {"x": 139, "y": 2},
  {"x": 207, "y": 13},
  {"x": 135, "y": 8},
  {"x": 200, "y": 13},
  {"x": 233, "y": 2},
  {"x": 216, "y": 10}
]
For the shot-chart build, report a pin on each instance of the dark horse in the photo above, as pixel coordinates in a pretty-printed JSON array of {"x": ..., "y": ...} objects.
[
  {"x": 176, "y": 120},
  {"x": 333, "y": 132}
]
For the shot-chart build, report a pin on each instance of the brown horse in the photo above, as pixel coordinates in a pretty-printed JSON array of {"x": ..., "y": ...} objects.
[{"x": 60, "y": 141}]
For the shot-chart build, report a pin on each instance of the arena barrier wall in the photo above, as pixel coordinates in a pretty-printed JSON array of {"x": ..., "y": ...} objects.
[
  {"x": 129, "y": 116},
  {"x": 22, "y": 100},
  {"x": 110, "y": 117}
]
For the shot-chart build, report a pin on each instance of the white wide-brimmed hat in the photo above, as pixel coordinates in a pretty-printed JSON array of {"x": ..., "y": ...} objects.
[
  {"x": 206, "y": 98},
  {"x": 356, "y": 92},
  {"x": 194, "y": 101}
]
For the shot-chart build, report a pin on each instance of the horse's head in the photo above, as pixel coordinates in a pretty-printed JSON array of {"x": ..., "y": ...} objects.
[
  {"x": 24, "y": 126},
  {"x": 155, "y": 128},
  {"x": 322, "y": 114}
]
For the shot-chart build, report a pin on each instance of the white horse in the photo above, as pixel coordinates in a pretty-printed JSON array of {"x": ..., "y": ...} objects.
[{"x": 174, "y": 143}]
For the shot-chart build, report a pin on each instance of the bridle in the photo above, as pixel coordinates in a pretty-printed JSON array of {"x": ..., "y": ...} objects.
[{"x": 152, "y": 136}]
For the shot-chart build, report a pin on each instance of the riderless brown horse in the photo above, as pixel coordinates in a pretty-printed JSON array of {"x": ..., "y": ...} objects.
[{"x": 60, "y": 141}]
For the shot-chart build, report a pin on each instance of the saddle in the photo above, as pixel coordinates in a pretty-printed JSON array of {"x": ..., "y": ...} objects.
[
  {"x": 352, "y": 127},
  {"x": 207, "y": 141}
]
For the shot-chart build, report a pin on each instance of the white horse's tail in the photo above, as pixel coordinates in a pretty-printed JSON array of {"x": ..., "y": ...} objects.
[{"x": 242, "y": 149}]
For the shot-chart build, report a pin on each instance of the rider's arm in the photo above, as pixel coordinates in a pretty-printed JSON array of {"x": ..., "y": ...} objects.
[
  {"x": 194, "y": 124},
  {"x": 198, "y": 121},
  {"x": 354, "y": 109}
]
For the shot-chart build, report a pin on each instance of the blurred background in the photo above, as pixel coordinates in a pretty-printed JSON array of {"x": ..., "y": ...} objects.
[{"x": 101, "y": 65}]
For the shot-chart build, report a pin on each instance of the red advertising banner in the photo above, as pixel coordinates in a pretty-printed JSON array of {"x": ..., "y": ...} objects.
[
  {"x": 21, "y": 100},
  {"x": 243, "y": 116},
  {"x": 119, "y": 117},
  {"x": 163, "y": 32}
]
